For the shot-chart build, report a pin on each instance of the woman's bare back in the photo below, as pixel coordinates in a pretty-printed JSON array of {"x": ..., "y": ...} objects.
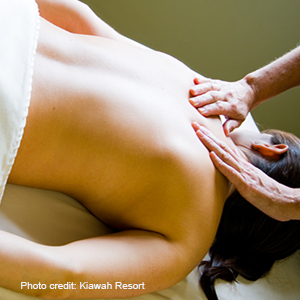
[{"x": 110, "y": 125}]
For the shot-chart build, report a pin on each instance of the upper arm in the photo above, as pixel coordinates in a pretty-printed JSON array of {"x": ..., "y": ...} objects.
[
  {"x": 136, "y": 257},
  {"x": 141, "y": 258},
  {"x": 71, "y": 15},
  {"x": 76, "y": 17}
]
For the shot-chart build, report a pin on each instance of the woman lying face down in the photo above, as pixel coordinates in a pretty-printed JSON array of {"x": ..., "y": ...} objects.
[
  {"x": 248, "y": 242},
  {"x": 110, "y": 124}
]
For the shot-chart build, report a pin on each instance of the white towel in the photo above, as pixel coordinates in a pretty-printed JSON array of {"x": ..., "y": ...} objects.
[{"x": 19, "y": 24}]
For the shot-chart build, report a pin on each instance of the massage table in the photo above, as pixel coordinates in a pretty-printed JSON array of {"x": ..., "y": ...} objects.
[{"x": 52, "y": 218}]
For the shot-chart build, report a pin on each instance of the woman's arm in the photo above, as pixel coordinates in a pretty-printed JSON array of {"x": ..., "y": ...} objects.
[
  {"x": 142, "y": 260},
  {"x": 77, "y": 17},
  {"x": 74, "y": 16}
]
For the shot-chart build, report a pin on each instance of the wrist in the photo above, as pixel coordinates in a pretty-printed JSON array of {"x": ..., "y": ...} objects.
[
  {"x": 290, "y": 200},
  {"x": 296, "y": 201},
  {"x": 251, "y": 80},
  {"x": 250, "y": 95}
]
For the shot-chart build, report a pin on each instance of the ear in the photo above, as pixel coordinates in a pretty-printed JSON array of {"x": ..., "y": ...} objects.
[{"x": 271, "y": 151}]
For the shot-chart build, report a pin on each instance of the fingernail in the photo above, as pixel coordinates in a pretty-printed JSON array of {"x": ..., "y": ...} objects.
[
  {"x": 202, "y": 110},
  {"x": 193, "y": 102},
  {"x": 199, "y": 133},
  {"x": 192, "y": 91}
]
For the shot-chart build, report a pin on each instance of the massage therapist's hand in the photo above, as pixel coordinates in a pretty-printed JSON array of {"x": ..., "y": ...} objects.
[
  {"x": 234, "y": 100},
  {"x": 274, "y": 199}
]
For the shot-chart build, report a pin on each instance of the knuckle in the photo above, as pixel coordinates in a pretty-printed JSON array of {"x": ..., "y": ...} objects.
[
  {"x": 235, "y": 107},
  {"x": 210, "y": 109},
  {"x": 214, "y": 94},
  {"x": 197, "y": 99},
  {"x": 201, "y": 100},
  {"x": 220, "y": 105},
  {"x": 207, "y": 98},
  {"x": 226, "y": 156},
  {"x": 224, "y": 147},
  {"x": 211, "y": 85},
  {"x": 230, "y": 94}
]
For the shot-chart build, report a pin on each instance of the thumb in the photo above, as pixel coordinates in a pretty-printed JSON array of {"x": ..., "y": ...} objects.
[{"x": 230, "y": 125}]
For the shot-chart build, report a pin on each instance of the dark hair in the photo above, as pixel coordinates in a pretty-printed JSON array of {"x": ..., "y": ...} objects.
[{"x": 248, "y": 242}]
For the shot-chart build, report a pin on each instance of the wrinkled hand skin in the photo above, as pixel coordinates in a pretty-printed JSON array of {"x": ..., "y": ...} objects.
[
  {"x": 274, "y": 199},
  {"x": 233, "y": 100}
]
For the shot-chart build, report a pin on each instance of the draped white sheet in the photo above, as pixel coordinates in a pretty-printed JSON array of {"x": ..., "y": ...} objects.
[{"x": 19, "y": 23}]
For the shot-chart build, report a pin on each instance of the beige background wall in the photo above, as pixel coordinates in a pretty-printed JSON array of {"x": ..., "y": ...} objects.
[{"x": 217, "y": 38}]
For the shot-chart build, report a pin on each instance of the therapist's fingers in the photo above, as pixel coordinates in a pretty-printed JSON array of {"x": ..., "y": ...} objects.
[
  {"x": 231, "y": 173},
  {"x": 212, "y": 143},
  {"x": 246, "y": 178},
  {"x": 254, "y": 185},
  {"x": 203, "y": 88},
  {"x": 230, "y": 125},
  {"x": 208, "y": 96},
  {"x": 269, "y": 196},
  {"x": 213, "y": 105},
  {"x": 201, "y": 79},
  {"x": 229, "y": 162}
]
